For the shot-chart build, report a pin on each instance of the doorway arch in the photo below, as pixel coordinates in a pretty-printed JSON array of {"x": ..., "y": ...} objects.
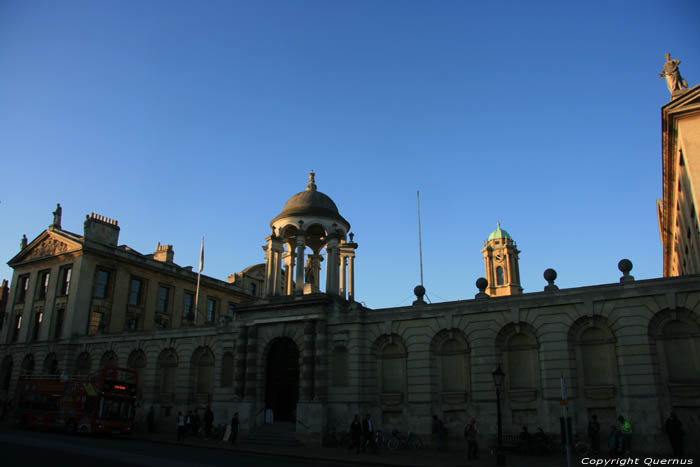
[{"x": 282, "y": 379}]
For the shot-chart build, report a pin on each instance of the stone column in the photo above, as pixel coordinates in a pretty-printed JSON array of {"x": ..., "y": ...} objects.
[
  {"x": 351, "y": 277},
  {"x": 268, "y": 268},
  {"x": 239, "y": 366},
  {"x": 300, "y": 263},
  {"x": 321, "y": 363},
  {"x": 277, "y": 250},
  {"x": 332, "y": 265},
  {"x": 306, "y": 385},
  {"x": 343, "y": 286},
  {"x": 251, "y": 374},
  {"x": 289, "y": 272}
]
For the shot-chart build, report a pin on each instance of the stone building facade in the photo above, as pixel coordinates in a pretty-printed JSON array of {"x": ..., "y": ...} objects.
[{"x": 275, "y": 342}]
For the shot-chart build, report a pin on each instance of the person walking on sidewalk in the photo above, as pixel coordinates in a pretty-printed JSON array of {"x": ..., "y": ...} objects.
[
  {"x": 180, "y": 427},
  {"x": 470, "y": 432},
  {"x": 438, "y": 433},
  {"x": 234, "y": 428},
  {"x": 356, "y": 434},
  {"x": 675, "y": 432},
  {"x": 626, "y": 433}
]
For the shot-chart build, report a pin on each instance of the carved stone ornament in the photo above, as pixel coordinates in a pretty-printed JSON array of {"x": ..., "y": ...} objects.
[{"x": 50, "y": 247}]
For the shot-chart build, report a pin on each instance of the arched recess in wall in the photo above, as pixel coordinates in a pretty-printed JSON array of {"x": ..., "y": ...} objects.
[
  {"x": 451, "y": 366},
  {"x": 391, "y": 356},
  {"x": 517, "y": 349},
  {"x": 674, "y": 337},
  {"x": 339, "y": 366},
  {"x": 592, "y": 347},
  {"x": 202, "y": 371},
  {"x": 137, "y": 362},
  {"x": 166, "y": 371},
  {"x": 109, "y": 358},
  {"x": 227, "y": 370},
  {"x": 83, "y": 364},
  {"x": 6, "y": 372},
  {"x": 27, "y": 368},
  {"x": 50, "y": 366}
]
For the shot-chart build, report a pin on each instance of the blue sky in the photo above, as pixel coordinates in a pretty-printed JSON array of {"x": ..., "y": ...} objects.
[{"x": 186, "y": 118}]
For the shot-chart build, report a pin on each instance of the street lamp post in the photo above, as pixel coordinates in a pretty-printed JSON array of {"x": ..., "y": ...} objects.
[{"x": 498, "y": 378}]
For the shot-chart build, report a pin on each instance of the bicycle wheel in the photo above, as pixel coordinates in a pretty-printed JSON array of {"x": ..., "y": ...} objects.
[
  {"x": 393, "y": 444},
  {"x": 416, "y": 443}
]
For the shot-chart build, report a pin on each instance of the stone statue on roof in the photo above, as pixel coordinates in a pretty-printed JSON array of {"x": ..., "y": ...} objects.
[
  {"x": 57, "y": 216},
  {"x": 674, "y": 80}
]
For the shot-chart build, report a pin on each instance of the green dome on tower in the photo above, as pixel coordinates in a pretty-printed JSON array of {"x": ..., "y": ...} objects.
[{"x": 499, "y": 233}]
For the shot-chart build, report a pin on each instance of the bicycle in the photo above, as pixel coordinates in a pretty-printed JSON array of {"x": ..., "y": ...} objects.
[{"x": 404, "y": 440}]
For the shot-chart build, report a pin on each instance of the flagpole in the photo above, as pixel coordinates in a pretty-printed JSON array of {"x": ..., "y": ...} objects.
[{"x": 199, "y": 274}]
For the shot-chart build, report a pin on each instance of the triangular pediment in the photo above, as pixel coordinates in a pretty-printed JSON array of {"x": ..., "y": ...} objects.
[
  {"x": 688, "y": 101},
  {"x": 49, "y": 243}
]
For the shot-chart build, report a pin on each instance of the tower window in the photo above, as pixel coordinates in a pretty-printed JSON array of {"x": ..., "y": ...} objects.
[{"x": 499, "y": 275}]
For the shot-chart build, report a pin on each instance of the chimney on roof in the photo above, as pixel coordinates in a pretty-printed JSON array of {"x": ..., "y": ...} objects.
[
  {"x": 164, "y": 253},
  {"x": 101, "y": 229}
]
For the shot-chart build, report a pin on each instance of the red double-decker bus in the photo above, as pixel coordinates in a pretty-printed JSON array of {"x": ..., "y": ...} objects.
[{"x": 100, "y": 403}]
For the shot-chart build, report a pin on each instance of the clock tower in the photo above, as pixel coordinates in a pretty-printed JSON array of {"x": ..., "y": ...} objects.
[{"x": 501, "y": 262}]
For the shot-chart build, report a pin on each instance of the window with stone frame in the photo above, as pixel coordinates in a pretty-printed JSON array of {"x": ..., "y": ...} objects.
[
  {"x": 521, "y": 355},
  {"x": 42, "y": 286},
  {"x": 137, "y": 362},
  {"x": 211, "y": 310},
  {"x": 231, "y": 310},
  {"x": 597, "y": 357},
  {"x": 681, "y": 346},
  {"x": 64, "y": 280},
  {"x": 50, "y": 366},
  {"x": 38, "y": 319},
  {"x": 189, "y": 305},
  {"x": 393, "y": 368},
  {"x": 17, "y": 328},
  {"x": 499, "y": 276},
  {"x": 22, "y": 287},
  {"x": 163, "y": 299},
  {"x": 135, "y": 291},
  {"x": 109, "y": 358},
  {"x": 454, "y": 361},
  {"x": 101, "y": 283}
]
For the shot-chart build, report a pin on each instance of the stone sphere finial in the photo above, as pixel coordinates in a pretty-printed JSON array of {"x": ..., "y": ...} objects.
[
  {"x": 481, "y": 284},
  {"x": 625, "y": 266},
  {"x": 550, "y": 275},
  {"x": 419, "y": 291}
]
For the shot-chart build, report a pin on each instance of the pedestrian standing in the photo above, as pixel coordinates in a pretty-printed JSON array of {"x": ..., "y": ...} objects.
[
  {"x": 626, "y": 434},
  {"x": 356, "y": 434},
  {"x": 594, "y": 433},
  {"x": 234, "y": 428},
  {"x": 180, "y": 427},
  {"x": 368, "y": 432},
  {"x": 674, "y": 430},
  {"x": 470, "y": 432},
  {"x": 196, "y": 423},
  {"x": 208, "y": 421},
  {"x": 188, "y": 422}
]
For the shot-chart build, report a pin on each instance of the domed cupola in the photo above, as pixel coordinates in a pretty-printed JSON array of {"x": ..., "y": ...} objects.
[{"x": 309, "y": 219}]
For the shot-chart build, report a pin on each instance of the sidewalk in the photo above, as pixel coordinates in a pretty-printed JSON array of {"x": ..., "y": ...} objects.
[{"x": 427, "y": 457}]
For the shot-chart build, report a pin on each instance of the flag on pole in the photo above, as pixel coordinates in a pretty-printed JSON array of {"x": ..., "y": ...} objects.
[{"x": 201, "y": 256}]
